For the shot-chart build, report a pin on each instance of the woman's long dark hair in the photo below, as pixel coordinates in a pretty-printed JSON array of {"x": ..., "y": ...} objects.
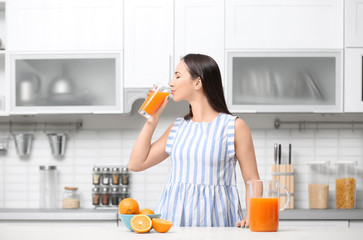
[{"x": 207, "y": 69}]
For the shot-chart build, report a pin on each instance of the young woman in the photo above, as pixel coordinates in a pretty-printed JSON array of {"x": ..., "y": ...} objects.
[{"x": 203, "y": 147}]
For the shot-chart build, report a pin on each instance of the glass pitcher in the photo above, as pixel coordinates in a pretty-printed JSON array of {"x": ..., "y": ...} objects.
[{"x": 264, "y": 204}]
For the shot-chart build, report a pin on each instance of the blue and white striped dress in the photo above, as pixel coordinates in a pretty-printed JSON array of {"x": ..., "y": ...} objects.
[{"x": 201, "y": 190}]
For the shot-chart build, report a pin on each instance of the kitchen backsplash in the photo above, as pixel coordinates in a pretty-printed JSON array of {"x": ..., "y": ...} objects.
[{"x": 19, "y": 178}]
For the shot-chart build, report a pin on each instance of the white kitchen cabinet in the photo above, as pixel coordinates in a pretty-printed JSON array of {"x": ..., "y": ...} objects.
[
  {"x": 199, "y": 28},
  {"x": 354, "y": 23},
  {"x": 353, "y": 80},
  {"x": 56, "y": 83},
  {"x": 148, "y": 48},
  {"x": 279, "y": 24},
  {"x": 285, "y": 81},
  {"x": 3, "y": 89},
  {"x": 65, "y": 25}
]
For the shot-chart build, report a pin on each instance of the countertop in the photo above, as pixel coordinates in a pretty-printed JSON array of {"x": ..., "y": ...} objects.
[
  {"x": 111, "y": 214},
  {"x": 109, "y": 233}
]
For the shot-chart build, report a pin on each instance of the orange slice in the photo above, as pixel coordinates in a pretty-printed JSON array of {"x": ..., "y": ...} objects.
[
  {"x": 146, "y": 211},
  {"x": 141, "y": 223},
  {"x": 161, "y": 225}
]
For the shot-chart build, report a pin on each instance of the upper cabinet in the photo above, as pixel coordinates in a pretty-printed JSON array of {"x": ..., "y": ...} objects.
[
  {"x": 285, "y": 81},
  {"x": 281, "y": 24},
  {"x": 354, "y": 23},
  {"x": 65, "y": 25},
  {"x": 148, "y": 42},
  {"x": 65, "y": 83},
  {"x": 353, "y": 88},
  {"x": 199, "y": 28},
  {"x": 3, "y": 88}
]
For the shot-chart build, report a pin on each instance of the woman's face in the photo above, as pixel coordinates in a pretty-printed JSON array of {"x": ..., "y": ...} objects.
[{"x": 182, "y": 86}]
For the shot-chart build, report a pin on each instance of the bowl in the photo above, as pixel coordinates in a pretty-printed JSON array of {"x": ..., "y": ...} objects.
[{"x": 126, "y": 218}]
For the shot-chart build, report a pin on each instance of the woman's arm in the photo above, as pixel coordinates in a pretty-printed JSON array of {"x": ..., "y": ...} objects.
[
  {"x": 245, "y": 153},
  {"x": 144, "y": 154}
]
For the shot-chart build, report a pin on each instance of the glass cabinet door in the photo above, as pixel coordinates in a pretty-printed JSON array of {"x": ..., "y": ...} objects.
[
  {"x": 66, "y": 83},
  {"x": 284, "y": 82}
]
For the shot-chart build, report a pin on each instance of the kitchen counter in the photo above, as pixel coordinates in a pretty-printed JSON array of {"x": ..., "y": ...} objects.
[
  {"x": 58, "y": 214},
  {"x": 109, "y": 233},
  {"x": 111, "y": 214}
]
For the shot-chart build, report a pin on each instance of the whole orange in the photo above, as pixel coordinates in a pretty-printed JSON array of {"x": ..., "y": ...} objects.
[
  {"x": 128, "y": 206},
  {"x": 161, "y": 225},
  {"x": 146, "y": 211}
]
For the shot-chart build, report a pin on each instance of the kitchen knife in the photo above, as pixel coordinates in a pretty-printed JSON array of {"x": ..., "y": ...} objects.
[{"x": 275, "y": 153}]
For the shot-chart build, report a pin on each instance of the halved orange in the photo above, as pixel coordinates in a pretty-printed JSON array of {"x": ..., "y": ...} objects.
[
  {"x": 141, "y": 223},
  {"x": 146, "y": 211},
  {"x": 161, "y": 225}
]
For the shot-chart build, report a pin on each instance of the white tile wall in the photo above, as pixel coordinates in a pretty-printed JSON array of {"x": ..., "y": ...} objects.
[{"x": 19, "y": 178}]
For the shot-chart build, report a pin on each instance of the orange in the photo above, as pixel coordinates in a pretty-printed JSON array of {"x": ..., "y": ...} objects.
[
  {"x": 161, "y": 225},
  {"x": 128, "y": 206},
  {"x": 141, "y": 223},
  {"x": 146, "y": 211}
]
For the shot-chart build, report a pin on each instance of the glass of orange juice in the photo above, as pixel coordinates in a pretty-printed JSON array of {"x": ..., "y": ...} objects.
[
  {"x": 154, "y": 100},
  {"x": 264, "y": 204}
]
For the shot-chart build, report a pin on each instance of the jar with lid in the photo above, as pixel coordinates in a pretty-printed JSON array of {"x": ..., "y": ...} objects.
[
  {"x": 124, "y": 193},
  {"x": 345, "y": 184},
  {"x": 115, "y": 176},
  {"x": 96, "y": 176},
  {"x": 318, "y": 184},
  {"x": 105, "y": 196},
  {"x": 48, "y": 177},
  {"x": 71, "y": 198},
  {"x": 96, "y": 196},
  {"x": 106, "y": 175},
  {"x": 115, "y": 195},
  {"x": 125, "y": 176}
]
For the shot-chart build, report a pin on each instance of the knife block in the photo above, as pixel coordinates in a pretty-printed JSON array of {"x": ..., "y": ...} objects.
[{"x": 285, "y": 174}]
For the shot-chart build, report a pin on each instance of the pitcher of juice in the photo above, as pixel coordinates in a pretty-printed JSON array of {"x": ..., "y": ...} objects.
[
  {"x": 154, "y": 100},
  {"x": 264, "y": 204}
]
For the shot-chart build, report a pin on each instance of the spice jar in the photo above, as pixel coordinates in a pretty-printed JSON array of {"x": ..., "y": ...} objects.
[
  {"x": 71, "y": 198},
  {"x": 125, "y": 176},
  {"x": 115, "y": 194},
  {"x": 106, "y": 175},
  {"x": 105, "y": 196},
  {"x": 96, "y": 196},
  {"x": 318, "y": 184},
  {"x": 124, "y": 193},
  {"x": 96, "y": 176},
  {"x": 115, "y": 176},
  {"x": 345, "y": 184}
]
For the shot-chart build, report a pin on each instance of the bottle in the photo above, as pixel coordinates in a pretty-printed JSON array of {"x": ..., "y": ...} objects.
[
  {"x": 48, "y": 187},
  {"x": 318, "y": 184},
  {"x": 115, "y": 176},
  {"x": 96, "y": 196},
  {"x": 105, "y": 196},
  {"x": 345, "y": 184},
  {"x": 115, "y": 196},
  {"x": 124, "y": 193},
  {"x": 125, "y": 176},
  {"x": 96, "y": 176},
  {"x": 106, "y": 175},
  {"x": 71, "y": 198}
]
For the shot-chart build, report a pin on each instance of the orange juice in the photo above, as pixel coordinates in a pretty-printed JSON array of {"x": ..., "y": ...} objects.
[
  {"x": 153, "y": 102},
  {"x": 264, "y": 214}
]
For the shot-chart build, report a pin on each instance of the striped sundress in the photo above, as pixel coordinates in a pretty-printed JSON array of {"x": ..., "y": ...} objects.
[{"x": 201, "y": 190}]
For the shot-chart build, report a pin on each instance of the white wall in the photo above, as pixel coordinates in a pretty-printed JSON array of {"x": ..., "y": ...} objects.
[{"x": 108, "y": 140}]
